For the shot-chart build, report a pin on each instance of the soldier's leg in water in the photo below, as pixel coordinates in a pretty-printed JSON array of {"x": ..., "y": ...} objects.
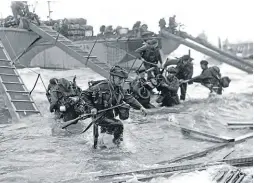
[
  {"x": 69, "y": 115},
  {"x": 219, "y": 91},
  {"x": 183, "y": 88},
  {"x": 168, "y": 100},
  {"x": 146, "y": 104},
  {"x": 175, "y": 99},
  {"x": 115, "y": 125},
  {"x": 95, "y": 135}
]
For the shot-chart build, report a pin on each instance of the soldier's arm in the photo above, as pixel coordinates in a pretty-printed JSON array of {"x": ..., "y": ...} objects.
[
  {"x": 199, "y": 78},
  {"x": 87, "y": 97},
  {"x": 54, "y": 98},
  {"x": 170, "y": 62},
  {"x": 129, "y": 99},
  {"x": 173, "y": 86},
  {"x": 141, "y": 49}
]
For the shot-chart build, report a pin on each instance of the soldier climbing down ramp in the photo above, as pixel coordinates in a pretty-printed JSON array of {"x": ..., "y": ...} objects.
[{"x": 151, "y": 54}]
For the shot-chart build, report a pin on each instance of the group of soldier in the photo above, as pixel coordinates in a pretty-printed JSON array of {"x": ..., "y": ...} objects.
[
  {"x": 107, "y": 99},
  {"x": 20, "y": 10}
]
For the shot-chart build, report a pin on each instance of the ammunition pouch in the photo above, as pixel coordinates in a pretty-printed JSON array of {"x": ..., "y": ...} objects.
[{"x": 124, "y": 111}]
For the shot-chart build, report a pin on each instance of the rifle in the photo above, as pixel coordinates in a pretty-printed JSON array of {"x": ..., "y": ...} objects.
[{"x": 85, "y": 116}]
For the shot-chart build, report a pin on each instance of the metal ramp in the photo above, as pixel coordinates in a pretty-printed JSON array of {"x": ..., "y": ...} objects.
[
  {"x": 16, "y": 99},
  {"x": 210, "y": 46},
  {"x": 240, "y": 65},
  {"x": 73, "y": 50}
]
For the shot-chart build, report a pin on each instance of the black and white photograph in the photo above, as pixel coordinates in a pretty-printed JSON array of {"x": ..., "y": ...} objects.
[{"x": 133, "y": 91}]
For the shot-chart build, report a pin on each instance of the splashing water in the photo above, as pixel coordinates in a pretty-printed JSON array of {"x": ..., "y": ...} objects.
[{"x": 36, "y": 150}]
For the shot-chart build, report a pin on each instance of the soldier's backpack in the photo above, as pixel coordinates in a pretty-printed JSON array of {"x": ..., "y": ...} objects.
[
  {"x": 225, "y": 81},
  {"x": 151, "y": 54}
]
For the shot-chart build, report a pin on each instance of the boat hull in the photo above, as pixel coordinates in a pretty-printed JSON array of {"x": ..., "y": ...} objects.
[{"x": 45, "y": 55}]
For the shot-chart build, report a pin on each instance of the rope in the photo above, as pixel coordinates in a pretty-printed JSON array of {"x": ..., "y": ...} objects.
[
  {"x": 39, "y": 75},
  {"x": 91, "y": 50},
  {"x": 35, "y": 84}
]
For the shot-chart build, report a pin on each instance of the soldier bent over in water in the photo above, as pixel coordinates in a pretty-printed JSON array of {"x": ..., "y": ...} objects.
[
  {"x": 109, "y": 93},
  {"x": 168, "y": 87},
  {"x": 184, "y": 71},
  {"x": 140, "y": 89},
  {"x": 211, "y": 78}
]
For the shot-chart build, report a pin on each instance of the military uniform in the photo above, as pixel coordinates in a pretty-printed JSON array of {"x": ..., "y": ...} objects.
[
  {"x": 183, "y": 71},
  {"x": 150, "y": 53},
  {"x": 19, "y": 9},
  {"x": 168, "y": 86},
  {"x": 104, "y": 95},
  {"x": 210, "y": 78},
  {"x": 60, "y": 95},
  {"x": 141, "y": 92}
]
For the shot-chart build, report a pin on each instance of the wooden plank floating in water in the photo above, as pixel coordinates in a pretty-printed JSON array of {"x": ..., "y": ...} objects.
[
  {"x": 160, "y": 170},
  {"x": 234, "y": 125},
  {"x": 196, "y": 154},
  {"x": 213, "y": 136},
  {"x": 170, "y": 170},
  {"x": 240, "y": 123},
  {"x": 244, "y": 137},
  {"x": 208, "y": 150}
]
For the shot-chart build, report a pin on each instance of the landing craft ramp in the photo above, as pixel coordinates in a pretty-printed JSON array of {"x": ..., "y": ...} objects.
[
  {"x": 15, "y": 99},
  {"x": 210, "y": 51},
  {"x": 215, "y": 49}
]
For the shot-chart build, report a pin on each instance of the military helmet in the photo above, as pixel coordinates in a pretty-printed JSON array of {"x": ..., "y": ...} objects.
[
  {"x": 53, "y": 81},
  {"x": 171, "y": 70},
  {"x": 153, "y": 42},
  {"x": 204, "y": 62},
  {"x": 186, "y": 57},
  {"x": 64, "y": 83},
  {"x": 118, "y": 71}
]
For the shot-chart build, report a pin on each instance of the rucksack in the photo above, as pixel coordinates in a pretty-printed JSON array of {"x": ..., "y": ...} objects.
[
  {"x": 93, "y": 83},
  {"x": 151, "y": 54},
  {"x": 225, "y": 81}
]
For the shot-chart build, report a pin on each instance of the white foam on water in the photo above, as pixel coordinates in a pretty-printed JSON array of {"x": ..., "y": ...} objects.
[{"x": 143, "y": 144}]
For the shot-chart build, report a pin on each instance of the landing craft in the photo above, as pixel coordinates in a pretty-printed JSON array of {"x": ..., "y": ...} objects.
[{"x": 112, "y": 48}]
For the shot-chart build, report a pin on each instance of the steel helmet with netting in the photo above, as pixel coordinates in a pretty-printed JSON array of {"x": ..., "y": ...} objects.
[{"x": 118, "y": 71}]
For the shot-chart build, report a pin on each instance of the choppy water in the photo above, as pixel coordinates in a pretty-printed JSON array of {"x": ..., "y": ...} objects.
[{"x": 35, "y": 150}]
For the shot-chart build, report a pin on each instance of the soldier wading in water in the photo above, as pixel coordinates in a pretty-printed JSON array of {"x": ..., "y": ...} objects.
[{"x": 107, "y": 94}]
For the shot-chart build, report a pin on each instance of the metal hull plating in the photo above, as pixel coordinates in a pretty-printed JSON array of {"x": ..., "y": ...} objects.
[{"x": 45, "y": 55}]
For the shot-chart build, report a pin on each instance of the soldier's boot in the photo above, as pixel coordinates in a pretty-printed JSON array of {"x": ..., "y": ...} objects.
[
  {"x": 182, "y": 97},
  {"x": 118, "y": 135}
]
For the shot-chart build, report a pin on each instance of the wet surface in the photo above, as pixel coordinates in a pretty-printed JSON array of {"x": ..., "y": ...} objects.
[{"x": 36, "y": 150}]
